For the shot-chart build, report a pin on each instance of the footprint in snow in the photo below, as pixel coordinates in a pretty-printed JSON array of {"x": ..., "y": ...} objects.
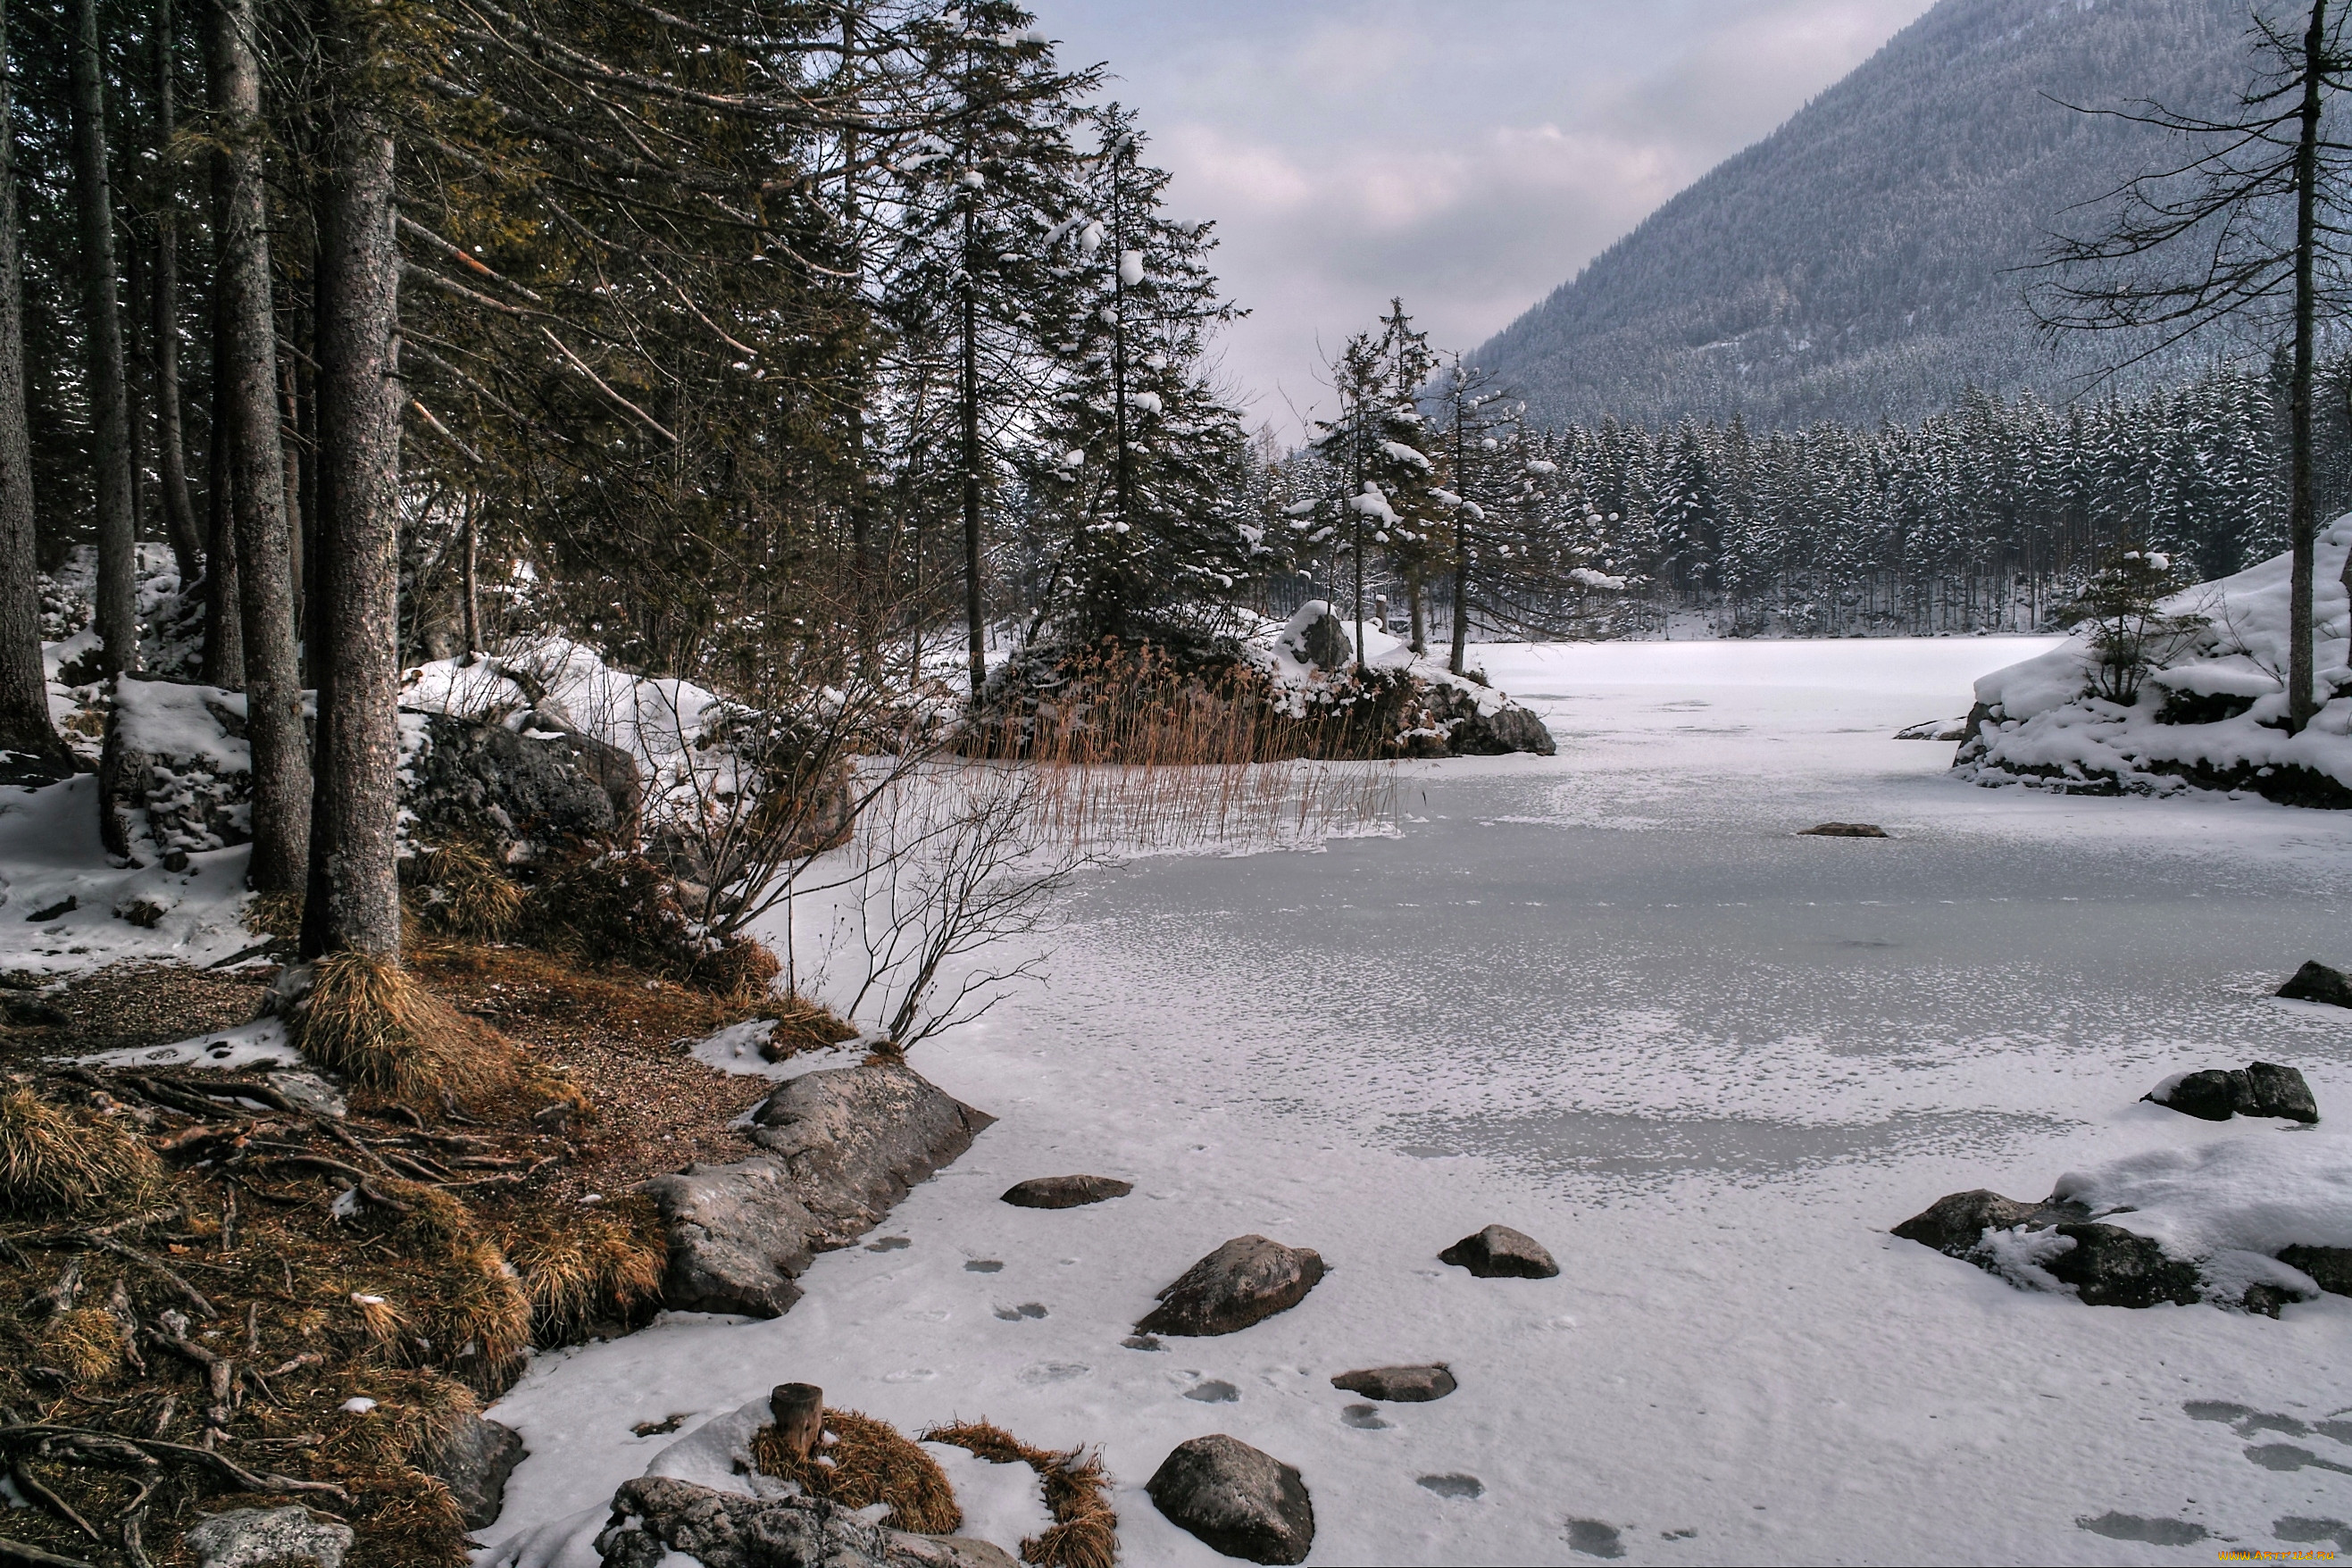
[
  {"x": 1363, "y": 1417},
  {"x": 2133, "y": 1527},
  {"x": 1026, "y": 1309},
  {"x": 1214, "y": 1392},
  {"x": 1047, "y": 1372},
  {"x": 2302, "y": 1531},
  {"x": 2292, "y": 1456},
  {"x": 1592, "y": 1538},
  {"x": 1456, "y": 1485}
]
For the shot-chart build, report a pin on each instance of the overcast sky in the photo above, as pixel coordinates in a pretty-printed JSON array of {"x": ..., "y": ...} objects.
[{"x": 1469, "y": 156}]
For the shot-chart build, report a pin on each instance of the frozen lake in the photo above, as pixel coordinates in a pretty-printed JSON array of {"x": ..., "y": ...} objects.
[{"x": 1612, "y": 999}]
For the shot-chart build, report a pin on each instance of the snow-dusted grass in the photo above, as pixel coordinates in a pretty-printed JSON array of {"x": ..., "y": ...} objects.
[{"x": 1608, "y": 998}]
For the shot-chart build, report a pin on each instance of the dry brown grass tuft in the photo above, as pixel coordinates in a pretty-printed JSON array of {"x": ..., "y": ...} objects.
[
  {"x": 85, "y": 1343},
  {"x": 463, "y": 892},
  {"x": 803, "y": 1025},
  {"x": 605, "y": 1263},
  {"x": 374, "y": 1023},
  {"x": 51, "y": 1159},
  {"x": 1084, "y": 1534},
  {"x": 872, "y": 1462}
]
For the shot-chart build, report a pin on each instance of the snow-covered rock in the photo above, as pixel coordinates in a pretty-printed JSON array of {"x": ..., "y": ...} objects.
[
  {"x": 1243, "y": 1502},
  {"x": 2260, "y": 1089},
  {"x": 841, "y": 1147},
  {"x": 2222, "y": 1221},
  {"x": 1065, "y": 1192},
  {"x": 1305, "y": 661},
  {"x": 1400, "y": 1385},
  {"x": 260, "y": 1537},
  {"x": 1498, "y": 1252},
  {"x": 1246, "y": 1280},
  {"x": 658, "y": 1516},
  {"x": 176, "y": 775},
  {"x": 529, "y": 783},
  {"x": 2211, "y": 715}
]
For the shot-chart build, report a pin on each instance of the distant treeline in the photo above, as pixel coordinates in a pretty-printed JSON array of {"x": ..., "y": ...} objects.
[{"x": 1987, "y": 516}]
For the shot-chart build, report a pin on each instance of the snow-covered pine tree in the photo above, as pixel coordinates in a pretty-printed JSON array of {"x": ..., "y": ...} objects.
[
  {"x": 1143, "y": 465},
  {"x": 977, "y": 208}
]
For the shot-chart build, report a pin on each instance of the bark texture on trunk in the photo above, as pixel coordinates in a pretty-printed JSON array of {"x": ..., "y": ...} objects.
[
  {"x": 2303, "y": 524},
  {"x": 245, "y": 401},
  {"x": 224, "y": 663},
  {"x": 353, "y": 902},
  {"x": 118, "y": 613},
  {"x": 164, "y": 324},
  {"x": 25, "y": 723}
]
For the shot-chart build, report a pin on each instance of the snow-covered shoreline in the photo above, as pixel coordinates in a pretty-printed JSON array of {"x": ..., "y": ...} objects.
[{"x": 1374, "y": 1050}]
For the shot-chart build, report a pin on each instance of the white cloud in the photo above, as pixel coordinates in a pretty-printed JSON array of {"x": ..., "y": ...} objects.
[{"x": 1468, "y": 160}]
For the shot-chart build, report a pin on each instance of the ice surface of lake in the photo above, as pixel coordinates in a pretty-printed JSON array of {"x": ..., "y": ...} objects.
[{"x": 1612, "y": 999}]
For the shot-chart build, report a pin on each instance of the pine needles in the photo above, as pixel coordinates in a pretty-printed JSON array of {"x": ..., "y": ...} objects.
[
  {"x": 52, "y": 1159},
  {"x": 1084, "y": 1534}
]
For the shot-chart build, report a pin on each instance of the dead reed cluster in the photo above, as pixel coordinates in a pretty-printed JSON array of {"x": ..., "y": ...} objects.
[
  {"x": 1134, "y": 755},
  {"x": 1084, "y": 1534},
  {"x": 862, "y": 1461}
]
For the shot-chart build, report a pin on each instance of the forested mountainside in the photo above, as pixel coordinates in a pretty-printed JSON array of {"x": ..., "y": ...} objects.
[{"x": 1857, "y": 264}]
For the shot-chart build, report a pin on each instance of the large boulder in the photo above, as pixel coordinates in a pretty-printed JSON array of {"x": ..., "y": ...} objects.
[
  {"x": 1498, "y": 1252},
  {"x": 530, "y": 784},
  {"x": 174, "y": 771},
  {"x": 654, "y": 1516},
  {"x": 2106, "y": 1264},
  {"x": 2259, "y": 1088},
  {"x": 1483, "y": 723},
  {"x": 2111, "y": 1267},
  {"x": 840, "y": 1148},
  {"x": 2330, "y": 1268},
  {"x": 854, "y": 1139},
  {"x": 2316, "y": 982},
  {"x": 475, "y": 1461},
  {"x": 1320, "y": 639},
  {"x": 288, "y": 1537},
  {"x": 1241, "y": 1502},
  {"x": 1955, "y": 1225},
  {"x": 1246, "y": 1280},
  {"x": 739, "y": 1235}
]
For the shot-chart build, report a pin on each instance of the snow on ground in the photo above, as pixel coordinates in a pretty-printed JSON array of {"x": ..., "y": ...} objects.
[
  {"x": 1611, "y": 999},
  {"x": 2045, "y": 719},
  {"x": 62, "y": 904}
]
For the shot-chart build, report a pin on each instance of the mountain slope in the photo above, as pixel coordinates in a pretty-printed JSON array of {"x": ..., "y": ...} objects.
[{"x": 1856, "y": 264}]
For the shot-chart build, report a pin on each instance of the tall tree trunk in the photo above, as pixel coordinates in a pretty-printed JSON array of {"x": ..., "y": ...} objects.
[
  {"x": 2303, "y": 527},
  {"x": 471, "y": 583},
  {"x": 246, "y": 402},
  {"x": 118, "y": 610},
  {"x": 968, "y": 390},
  {"x": 164, "y": 326},
  {"x": 354, "y": 902},
  {"x": 1458, "y": 652},
  {"x": 224, "y": 663},
  {"x": 289, "y": 421},
  {"x": 25, "y": 723}
]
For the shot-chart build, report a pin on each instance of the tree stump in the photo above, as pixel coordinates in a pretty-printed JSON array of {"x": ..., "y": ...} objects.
[{"x": 799, "y": 1410}]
